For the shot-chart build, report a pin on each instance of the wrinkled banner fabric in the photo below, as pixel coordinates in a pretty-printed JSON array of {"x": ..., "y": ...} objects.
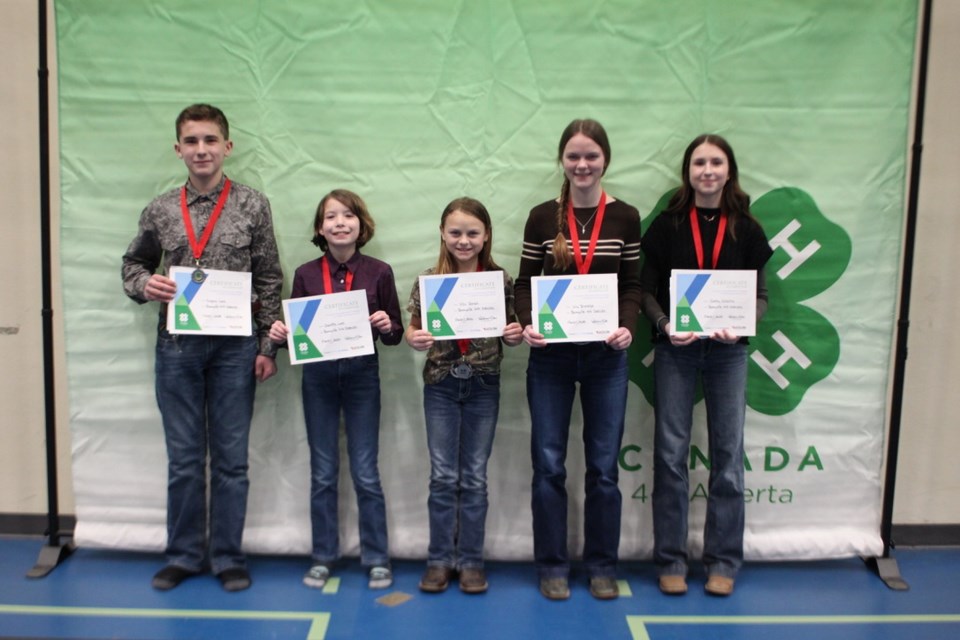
[{"x": 412, "y": 104}]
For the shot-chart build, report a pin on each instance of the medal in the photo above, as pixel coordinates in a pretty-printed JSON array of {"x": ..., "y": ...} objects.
[
  {"x": 198, "y": 246},
  {"x": 583, "y": 264},
  {"x": 461, "y": 370}
]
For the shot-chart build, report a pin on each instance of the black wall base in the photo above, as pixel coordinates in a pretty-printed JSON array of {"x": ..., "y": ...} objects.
[
  {"x": 29, "y": 524},
  {"x": 926, "y": 535}
]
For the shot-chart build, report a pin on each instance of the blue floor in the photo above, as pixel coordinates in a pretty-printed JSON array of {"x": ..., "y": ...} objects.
[{"x": 107, "y": 594}]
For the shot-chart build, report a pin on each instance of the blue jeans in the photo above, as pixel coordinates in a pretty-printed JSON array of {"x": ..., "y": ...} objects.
[
  {"x": 205, "y": 387},
  {"x": 722, "y": 369},
  {"x": 461, "y": 417},
  {"x": 552, "y": 376},
  {"x": 350, "y": 385}
]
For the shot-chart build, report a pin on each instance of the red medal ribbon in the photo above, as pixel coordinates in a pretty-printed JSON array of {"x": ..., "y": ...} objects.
[
  {"x": 583, "y": 265},
  {"x": 327, "y": 284},
  {"x": 698, "y": 240},
  {"x": 464, "y": 344},
  {"x": 198, "y": 247}
]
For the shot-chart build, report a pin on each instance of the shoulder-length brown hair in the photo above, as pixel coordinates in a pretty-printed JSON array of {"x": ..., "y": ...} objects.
[{"x": 351, "y": 201}]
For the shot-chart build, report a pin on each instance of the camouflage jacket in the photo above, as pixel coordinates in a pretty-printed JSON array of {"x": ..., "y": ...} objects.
[{"x": 242, "y": 240}]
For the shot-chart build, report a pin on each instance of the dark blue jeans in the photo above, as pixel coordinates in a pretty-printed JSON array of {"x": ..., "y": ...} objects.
[
  {"x": 722, "y": 369},
  {"x": 205, "y": 387},
  {"x": 461, "y": 417},
  {"x": 350, "y": 386},
  {"x": 553, "y": 374}
]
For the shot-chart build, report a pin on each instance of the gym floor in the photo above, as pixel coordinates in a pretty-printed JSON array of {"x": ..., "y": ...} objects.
[{"x": 107, "y": 594}]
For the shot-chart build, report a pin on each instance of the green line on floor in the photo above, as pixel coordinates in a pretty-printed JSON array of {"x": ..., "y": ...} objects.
[
  {"x": 318, "y": 621},
  {"x": 332, "y": 586},
  {"x": 638, "y": 624}
]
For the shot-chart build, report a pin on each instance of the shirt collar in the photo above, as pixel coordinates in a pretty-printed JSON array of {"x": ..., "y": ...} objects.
[
  {"x": 351, "y": 264},
  {"x": 193, "y": 195}
]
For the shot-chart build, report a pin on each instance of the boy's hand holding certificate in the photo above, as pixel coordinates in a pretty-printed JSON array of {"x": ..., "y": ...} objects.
[
  {"x": 210, "y": 302},
  {"x": 463, "y": 305},
  {"x": 328, "y": 327},
  {"x": 706, "y": 301},
  {"x": 582, "y": 308}
]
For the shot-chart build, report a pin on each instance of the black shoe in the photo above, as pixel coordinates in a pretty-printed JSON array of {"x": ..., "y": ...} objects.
[
  {"x": 235, "y": 579},
  {"x": 170, "y": 576}
]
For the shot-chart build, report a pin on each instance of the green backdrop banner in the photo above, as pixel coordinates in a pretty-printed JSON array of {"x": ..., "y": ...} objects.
[{"x": 412, "y": 104}]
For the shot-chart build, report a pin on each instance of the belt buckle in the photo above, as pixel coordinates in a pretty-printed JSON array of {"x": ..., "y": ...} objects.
[{"x": 461, "y": 371}]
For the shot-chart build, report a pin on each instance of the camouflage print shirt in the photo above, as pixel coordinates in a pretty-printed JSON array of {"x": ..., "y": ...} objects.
[
  {"x": 483, "y": 354},
  {"x": 242, "y": 240}
]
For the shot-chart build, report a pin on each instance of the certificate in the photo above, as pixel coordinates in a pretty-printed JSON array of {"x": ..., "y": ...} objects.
[
  {"x": 328, "y": 327},
  {"x": 463, "y": 305},
  {"x": 581, "y": 308},
  {"x": 210, "y": 302},
  {"x": 706, "y": 301}
]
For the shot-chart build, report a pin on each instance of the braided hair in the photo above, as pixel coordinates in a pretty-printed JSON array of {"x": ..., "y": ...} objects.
[{"x": 562, "y": 256}]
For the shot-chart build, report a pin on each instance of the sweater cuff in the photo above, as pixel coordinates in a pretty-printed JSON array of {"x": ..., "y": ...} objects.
[{"x": 661, "y": 325}]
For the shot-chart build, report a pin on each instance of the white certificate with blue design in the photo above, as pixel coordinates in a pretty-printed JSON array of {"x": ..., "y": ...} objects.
[
  {"x": 210, "y": 302},
  {"x": 463, "y": 305},
  {"x": 706, "y": 301},
  {"x": 328, "y": 327},
  {"x": 581, "y": 308}
]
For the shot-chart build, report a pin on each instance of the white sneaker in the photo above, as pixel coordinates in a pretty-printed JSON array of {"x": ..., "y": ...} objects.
[
  {"x": 380, "y": 578},
  {"x": 316, "y": 578}
]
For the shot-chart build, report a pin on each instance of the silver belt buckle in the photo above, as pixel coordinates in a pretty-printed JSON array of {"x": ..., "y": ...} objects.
[{"x": 461, "y": 371}]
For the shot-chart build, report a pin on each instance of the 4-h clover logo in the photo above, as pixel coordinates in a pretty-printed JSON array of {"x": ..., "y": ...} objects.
[
  {"x": 436, "y": 325},
  {"x": 685, "y": 319},
  {"x": 795, "y": 346},
  {"x": 183, "y": 318},
  {"x": 302, "y": 347},
  {"x": 548, "y": 326}
]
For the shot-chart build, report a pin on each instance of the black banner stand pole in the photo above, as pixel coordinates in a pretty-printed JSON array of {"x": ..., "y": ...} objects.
[
  {"x": 55, "y": 550},
  {"x": 886, "y": 565}
]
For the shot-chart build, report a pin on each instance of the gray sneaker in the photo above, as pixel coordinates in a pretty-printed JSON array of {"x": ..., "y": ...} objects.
[
  {"x": 380, "y": 578},
  {"x": 317, "y": 577}
]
